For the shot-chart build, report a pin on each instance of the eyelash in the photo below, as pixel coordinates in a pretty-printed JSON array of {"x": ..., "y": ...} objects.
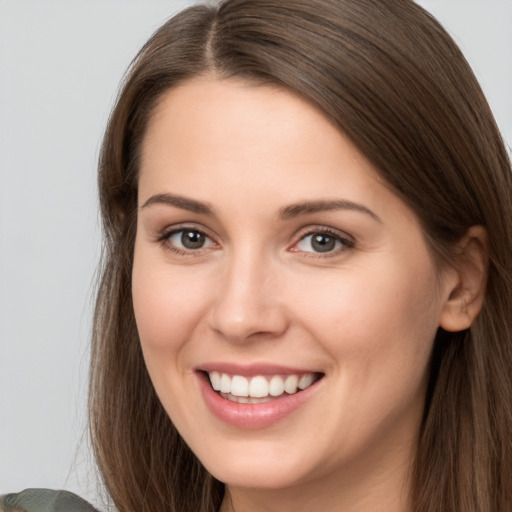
[
  {"x": 346, "y": 242},
  {"x": 164, "y": 240}
]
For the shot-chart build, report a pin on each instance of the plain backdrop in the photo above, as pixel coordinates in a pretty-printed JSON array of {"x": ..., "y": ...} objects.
[{"x": 60, "y": 65}]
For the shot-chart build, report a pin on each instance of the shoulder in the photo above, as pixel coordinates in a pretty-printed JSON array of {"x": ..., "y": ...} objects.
[{"x": 44, "y": 500}]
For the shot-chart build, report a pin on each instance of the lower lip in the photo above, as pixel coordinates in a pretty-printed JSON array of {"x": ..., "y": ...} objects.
[{"x": 252, "y": 416}]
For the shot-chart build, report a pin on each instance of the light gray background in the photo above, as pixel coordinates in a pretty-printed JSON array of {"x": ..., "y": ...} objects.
[{"x": 60, "y": 65}]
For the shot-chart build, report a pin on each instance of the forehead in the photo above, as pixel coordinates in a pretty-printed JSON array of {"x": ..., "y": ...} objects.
[
  {"x": 243, "y": 129},
  {"x": 224, "y": 111}
]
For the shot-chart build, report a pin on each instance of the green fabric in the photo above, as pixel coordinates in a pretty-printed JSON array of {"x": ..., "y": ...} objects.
[{"x": 44, "y": 500}]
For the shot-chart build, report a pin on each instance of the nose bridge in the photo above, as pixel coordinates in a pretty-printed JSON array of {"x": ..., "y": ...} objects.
[{"x": 247, "y": 302}]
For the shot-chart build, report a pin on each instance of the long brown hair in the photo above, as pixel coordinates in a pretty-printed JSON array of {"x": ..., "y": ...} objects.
[{"x": 394, "y": 82}]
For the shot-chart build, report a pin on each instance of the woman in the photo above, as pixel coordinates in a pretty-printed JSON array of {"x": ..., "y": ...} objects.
[{"x": 305, "y": 293}]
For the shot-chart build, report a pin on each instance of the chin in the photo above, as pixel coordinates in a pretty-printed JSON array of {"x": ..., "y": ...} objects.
[
  {"x": 261, "y": 463},
  {"x": 246, "y": 473}
]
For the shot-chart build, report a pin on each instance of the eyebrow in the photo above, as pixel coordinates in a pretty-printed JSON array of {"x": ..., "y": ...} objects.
[
  {"x": 288, "y": 212},
  {"x": 180, "y": 202},
  {"x": 307, "y": 207}
]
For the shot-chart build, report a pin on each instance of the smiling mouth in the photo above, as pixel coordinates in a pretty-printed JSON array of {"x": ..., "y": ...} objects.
[{"x": 259, "y": 389}]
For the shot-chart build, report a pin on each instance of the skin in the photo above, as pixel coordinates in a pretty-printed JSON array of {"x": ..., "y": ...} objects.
[{"x": 364, "y": 314}]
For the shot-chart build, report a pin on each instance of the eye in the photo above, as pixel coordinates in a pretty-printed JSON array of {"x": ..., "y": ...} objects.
[
  {"x": 323, "y": 241},
  {"x": 185, "y": 240}
]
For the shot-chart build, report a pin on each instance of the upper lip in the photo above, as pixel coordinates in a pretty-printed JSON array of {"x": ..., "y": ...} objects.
[{"x": 253, "y": 369}]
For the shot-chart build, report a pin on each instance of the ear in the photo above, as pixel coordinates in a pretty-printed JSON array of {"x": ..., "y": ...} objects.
[{"x": 466, "y": 288}]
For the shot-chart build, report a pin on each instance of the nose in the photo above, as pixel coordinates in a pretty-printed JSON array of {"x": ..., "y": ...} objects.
[{"x": 249, "y": 304}]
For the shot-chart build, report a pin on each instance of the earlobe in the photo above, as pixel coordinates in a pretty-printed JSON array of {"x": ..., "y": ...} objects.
[{"x": 466, "y": 291}]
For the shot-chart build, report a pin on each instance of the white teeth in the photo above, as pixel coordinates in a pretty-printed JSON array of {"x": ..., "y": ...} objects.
[
  {"x": 306, "y": 380},
  {"x": 276, "y": 386},
  {"x": 245, "y": 400},
  {"x": 215, "y": 380},
  {"x": 243, "y": 389},
  {"x": 258, "y": 400},
  {"x": 225, "y": 383},
  {"x": 258, "y": 388},
  {"x": 240, "y": 386},
  {"x": 290, "y": 384}
]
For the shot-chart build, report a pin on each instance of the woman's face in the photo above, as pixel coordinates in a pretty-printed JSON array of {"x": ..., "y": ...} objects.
[{"x": 269, "y": 257}]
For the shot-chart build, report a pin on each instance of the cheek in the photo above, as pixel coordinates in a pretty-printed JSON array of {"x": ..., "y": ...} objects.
[
  {"x": 168, "y": 308},
  {"x": 371, "y": 303},
  {"x": 378, "y": 323},
  {"x": 378, "y": 328},
  {"x": 167, "y": 305}
]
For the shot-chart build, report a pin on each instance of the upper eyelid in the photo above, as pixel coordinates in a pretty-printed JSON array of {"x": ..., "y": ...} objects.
[
  {"x": 164, "y": 236},
  {"x": 164, "y": 240},
  {"x": 311, "y": 230},
  {"x": 170, "y": 230},
  {"x": 299, "y": 234},
  {"x": 347, "y": 241}
]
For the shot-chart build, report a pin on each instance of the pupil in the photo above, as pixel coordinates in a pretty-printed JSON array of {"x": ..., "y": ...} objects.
[
  {"x": 323, "y": 243},
  {"x": 192, "y": 239}
]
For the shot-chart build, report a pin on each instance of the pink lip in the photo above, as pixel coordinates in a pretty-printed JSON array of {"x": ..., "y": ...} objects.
[
  {"x": 251, "y": 370},
  {"x": 253, "y": 416}
]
